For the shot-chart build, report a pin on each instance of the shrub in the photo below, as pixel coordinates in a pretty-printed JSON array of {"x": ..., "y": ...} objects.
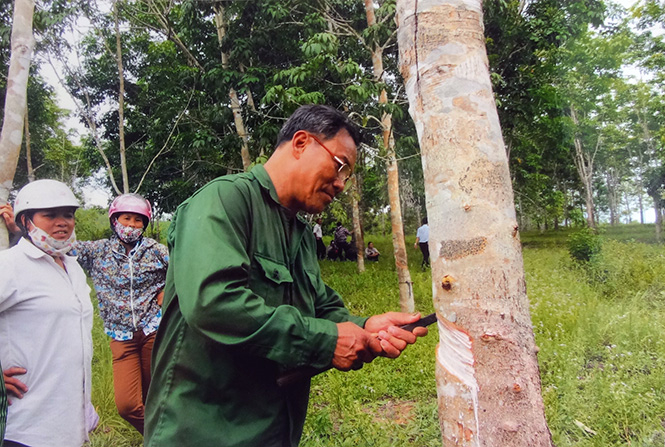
[
  {"x": 92, "y": 224},
  {"x": 584, "y": 245}
]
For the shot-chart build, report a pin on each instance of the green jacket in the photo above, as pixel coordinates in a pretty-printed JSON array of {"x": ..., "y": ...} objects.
[{"x": 244, "y": 301}]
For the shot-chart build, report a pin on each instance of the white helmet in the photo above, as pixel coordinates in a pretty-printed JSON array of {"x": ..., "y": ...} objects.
[{"x": 44, "y": 194}]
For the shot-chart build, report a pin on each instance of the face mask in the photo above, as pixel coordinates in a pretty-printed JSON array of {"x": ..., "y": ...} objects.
[
  {"x": 50, "y": 245},
  {"x": 127, "y": 234}
]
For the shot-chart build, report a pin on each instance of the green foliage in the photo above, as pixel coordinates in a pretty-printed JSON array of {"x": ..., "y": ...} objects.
[
  {"x": 92, "y": 224},
  {"x": 584, "y": 245}
]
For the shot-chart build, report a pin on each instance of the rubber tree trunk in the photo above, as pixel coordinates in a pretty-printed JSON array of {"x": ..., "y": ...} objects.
[
  {"x": 658, "y": 212},
  {"x": 28, "y": 147},
  {"x": 357, "y": 224},
  {"x": 488, "y": 381},
  {"x": 121, "y": 101},
  {"x": 584, "y": 164},
  {"x": 221, "y": 24},
  {"x": 22, "y": 43},
  {"x": 406, "y": 300}
]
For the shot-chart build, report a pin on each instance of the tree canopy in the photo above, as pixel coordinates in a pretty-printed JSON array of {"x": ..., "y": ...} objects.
[{"x": 580, "y": 132}]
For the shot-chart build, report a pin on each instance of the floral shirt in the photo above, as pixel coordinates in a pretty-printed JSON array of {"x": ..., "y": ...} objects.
[{"x": 126, "y": 284}]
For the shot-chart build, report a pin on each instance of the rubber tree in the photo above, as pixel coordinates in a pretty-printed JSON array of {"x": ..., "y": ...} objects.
[
  {"x": 406, "y": 300},
  {"x": 22, "y": 44},
  {"x": 221, "y": 25},
  {"x": 488, "y": 382},
  {"x": 357, "y": 225},
  {"x": 121, "y": 100}
]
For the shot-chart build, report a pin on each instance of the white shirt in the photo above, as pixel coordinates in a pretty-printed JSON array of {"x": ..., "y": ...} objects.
[
  {"x": 423, "y": 233},
  {"x": 45, "y": 327},
  {"x": 318, "y": 233}
]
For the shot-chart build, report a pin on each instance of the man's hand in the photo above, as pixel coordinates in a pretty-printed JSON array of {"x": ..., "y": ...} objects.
[
  {"x": 7, "y": 213},
  {"x": 393, "y": 339},
  {"x": 13, "y": 385},
  {"x": 355, "y": 346}
]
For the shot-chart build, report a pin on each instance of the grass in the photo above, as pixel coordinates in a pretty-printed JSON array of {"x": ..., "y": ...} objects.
[
  {"x": 112, "y": 429},
  {"x": 598, "y": 326}
]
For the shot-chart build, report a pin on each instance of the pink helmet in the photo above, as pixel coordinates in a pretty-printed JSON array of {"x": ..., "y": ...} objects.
[{"x": 130, "y": 203}]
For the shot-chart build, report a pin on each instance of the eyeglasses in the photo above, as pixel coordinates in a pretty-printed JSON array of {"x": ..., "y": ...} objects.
[{"x": 344, "y": 171}]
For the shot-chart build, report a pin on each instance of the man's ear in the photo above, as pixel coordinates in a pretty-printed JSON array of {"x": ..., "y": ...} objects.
[{"x": 299, "y": 143}]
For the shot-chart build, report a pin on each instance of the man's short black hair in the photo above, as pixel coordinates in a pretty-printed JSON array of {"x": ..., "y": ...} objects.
[
  {"x": 319, "y": 120},
  {"x": 424, "y": 220}
]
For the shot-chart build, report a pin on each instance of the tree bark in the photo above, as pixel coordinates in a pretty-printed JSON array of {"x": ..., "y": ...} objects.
[
  {"x": 220, "y": 22},
  {"x": 28, "y": 148},
  {"x": 584, "y": 164},
  {"x": 357, "y": 224},
  {"x": 487, "y": 373},
  {"x": 406, "y": 299},
  {"x": 22, "y": 43},
  {"x": 121, "y": 101},
  {"x": 612, "y": 180},
  {"x": 659, "y": 221}
]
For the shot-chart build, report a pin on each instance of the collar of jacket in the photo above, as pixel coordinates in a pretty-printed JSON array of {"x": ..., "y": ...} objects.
[{"x": 266, "y": 183}]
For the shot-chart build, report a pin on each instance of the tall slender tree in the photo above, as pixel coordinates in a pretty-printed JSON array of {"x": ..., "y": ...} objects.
[
  {"x": 121, "y": 100},
  {"x": 22, "y": 43},
  {"x": 487, "y": 372},
  {"x": 222, "y": 25},
  {"x": 399, "y": 246}
]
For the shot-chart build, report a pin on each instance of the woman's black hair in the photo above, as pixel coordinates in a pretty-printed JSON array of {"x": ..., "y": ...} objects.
[{"x": 19, "y": 221}]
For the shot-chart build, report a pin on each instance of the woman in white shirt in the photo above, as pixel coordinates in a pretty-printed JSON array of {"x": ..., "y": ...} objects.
[{"x": 46, "y": 324}]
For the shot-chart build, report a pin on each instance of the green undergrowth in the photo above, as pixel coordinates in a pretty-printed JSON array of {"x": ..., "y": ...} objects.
[
  {"x": 112, "y": 429},
  {"x": 598, "y": 325},
  {"x": 599, "y": 329}
]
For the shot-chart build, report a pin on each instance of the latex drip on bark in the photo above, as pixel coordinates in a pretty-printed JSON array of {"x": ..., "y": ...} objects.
[{"x": 455, "y": 356}]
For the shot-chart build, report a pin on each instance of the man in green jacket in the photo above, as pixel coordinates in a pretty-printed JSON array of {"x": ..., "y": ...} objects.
[{"x": 244, "y": 299}]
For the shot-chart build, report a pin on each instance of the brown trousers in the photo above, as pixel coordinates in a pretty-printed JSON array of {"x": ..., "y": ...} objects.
[{"x": 131, "y": 376}]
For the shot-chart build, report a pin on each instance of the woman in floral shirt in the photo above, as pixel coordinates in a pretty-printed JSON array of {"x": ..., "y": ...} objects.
[{"x": 128, "y": 271}]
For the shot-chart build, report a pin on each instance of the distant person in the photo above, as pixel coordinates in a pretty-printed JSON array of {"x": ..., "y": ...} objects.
[
  {"x": 371, "y": 253},
  {"x": 46, "y": 324},
  {"x": 318, "y": 235},
  {"x": 351, "y": 250},
  {"x": 128, "y": 271},
  {"x": 340, "y": 236},
  {"x": 422, "y": 241},
  {"x": 333, "y": 252},
  {"x": 244, "y": 299}
]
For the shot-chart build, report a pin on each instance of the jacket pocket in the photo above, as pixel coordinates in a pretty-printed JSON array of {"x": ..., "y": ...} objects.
[{"x": 271, "y": 280}]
